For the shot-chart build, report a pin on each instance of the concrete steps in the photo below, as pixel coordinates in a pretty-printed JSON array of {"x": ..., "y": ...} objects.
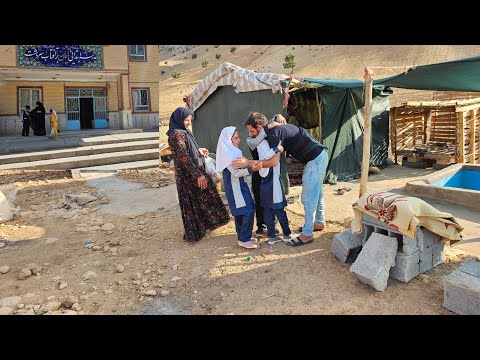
[
  {"x": 86, "y": 160},
  {"x": 78, "y": 151},
  {"x": 19, "y": 144},
  {"x": 89, "y": 151}
]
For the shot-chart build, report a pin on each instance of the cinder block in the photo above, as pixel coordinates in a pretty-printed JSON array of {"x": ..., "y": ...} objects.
[
  {"x": 374, "y": 261},
  {"x": 462, "y": 289},
  {"x": 381, "y": 230},
  {"x": 409, "y": 245},
  {"x": 438, "y": 254},
  {"x": 346, "y": 246},
  {"x": 373, "y": 221},
  {"x": 406, "y": 267},
  {"x": 367, "y": 231},
  {"x": 426, "y": 260},
  {"x": 426, "y": 237}
]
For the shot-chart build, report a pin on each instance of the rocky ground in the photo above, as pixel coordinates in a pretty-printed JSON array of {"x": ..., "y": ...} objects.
[{"x": 61, "y": 254}]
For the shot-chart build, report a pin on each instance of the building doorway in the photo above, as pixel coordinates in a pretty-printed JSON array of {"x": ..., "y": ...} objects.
[
  {"x": 86, "y": 113},
  {"x": 86, "y": 108}
]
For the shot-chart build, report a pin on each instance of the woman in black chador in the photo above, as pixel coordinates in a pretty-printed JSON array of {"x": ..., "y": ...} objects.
[{"x": 38, "y": 120}]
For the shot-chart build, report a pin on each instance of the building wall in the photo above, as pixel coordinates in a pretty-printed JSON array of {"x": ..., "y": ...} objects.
[
  {"x": 115, "y": 57},
  {"x": 145, "y": 74},
  {"x": 133, "y": 74},
  {"x": 8, "y": 55}
]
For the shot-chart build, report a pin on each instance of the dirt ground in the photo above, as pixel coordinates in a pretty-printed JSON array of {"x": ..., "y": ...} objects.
[{"x": 141, "y": 265}]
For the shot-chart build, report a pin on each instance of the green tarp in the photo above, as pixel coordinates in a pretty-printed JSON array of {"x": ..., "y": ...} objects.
[
  {"x": 342, "y": 126},
  {"x": 456, "y": 75}
]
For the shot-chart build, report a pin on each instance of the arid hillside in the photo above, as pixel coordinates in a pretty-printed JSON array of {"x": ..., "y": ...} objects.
[{"x": 337, "y": 61}]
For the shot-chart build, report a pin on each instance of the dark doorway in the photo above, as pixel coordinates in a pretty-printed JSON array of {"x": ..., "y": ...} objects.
[{"x": 86, "y": 113}]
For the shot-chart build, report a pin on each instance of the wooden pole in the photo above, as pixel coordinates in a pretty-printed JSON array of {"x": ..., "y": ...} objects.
[
  {"x": 471, "y": 159},
  {"x": 461, "y": 136},
  {"x": 367, "y": 132},
  {"x": 319, "y": 118}
]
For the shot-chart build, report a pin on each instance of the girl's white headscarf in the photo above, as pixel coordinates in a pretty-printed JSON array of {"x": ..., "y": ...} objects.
[
  {"x": 55, "y": 114},
  {"x": 226, "y": 152}
]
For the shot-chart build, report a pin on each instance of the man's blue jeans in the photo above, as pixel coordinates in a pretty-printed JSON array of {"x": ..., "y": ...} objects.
[{"x": 312, "y": 192}]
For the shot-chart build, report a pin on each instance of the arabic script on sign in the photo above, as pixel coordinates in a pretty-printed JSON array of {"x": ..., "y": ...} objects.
[{"x": 61, "y": 55}]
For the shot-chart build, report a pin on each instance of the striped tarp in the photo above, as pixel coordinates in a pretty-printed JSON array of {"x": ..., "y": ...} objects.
[{"x": 241, "y": 79}]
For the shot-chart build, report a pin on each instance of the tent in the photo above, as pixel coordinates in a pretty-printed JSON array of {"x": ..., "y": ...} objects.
[{"x": 229, "y": 93}]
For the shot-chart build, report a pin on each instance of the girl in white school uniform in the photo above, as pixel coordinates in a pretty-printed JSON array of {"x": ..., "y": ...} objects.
[{"x": 238, "y": 194}]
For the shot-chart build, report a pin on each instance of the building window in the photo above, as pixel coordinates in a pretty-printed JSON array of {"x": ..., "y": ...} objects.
[
  {"x": 141, "y": 100},
  {"x": 28, "y": 96},
  {"x": 137, "y": 53}
]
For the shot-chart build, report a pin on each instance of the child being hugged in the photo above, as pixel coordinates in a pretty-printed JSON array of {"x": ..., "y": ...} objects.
[
  {"x": 272, "y": 196},
  {"x": 238, "y": 194}
]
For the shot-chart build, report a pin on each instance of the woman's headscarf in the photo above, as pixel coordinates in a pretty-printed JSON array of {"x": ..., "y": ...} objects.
[
  {"x": 176, "y": 124},
  {"x": 54, "y": 113},
  {"x": 226, "y": 152}
]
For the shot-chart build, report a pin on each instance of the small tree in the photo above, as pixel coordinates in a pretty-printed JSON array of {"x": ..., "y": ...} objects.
[
  {"x": 233, "y": 49},
  {"x": 290, "y": 61},
  {"x": 218, "y": 56},
  {"x": 194, "y": 56},
  {"x": 162, "y": 72},
  {"x": 175, "y": 75},
  {"x": 205, "y": 64}
]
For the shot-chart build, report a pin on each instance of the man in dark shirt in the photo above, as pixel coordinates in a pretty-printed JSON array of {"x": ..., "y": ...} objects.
[{"x": 303, "y": 147}]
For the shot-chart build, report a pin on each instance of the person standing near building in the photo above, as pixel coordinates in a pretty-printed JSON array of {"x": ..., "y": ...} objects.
[
  {"x": 53, "y": 124},
  {"x": 26, "y": 120},
  {"x": 38, "y": 120}
]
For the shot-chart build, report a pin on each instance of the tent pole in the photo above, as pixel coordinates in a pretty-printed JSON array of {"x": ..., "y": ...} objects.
[
  {"x": 319, "y": 117},
  {"x": 367, "y": 133}
]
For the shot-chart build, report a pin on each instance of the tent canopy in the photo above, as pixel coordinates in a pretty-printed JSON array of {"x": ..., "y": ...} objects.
[
  {"x": 229, "y": 93},
  {"x": 457, "y": 75}
]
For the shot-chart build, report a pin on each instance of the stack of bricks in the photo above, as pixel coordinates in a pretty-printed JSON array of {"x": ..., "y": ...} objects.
[{"x": 413, "y": 255}]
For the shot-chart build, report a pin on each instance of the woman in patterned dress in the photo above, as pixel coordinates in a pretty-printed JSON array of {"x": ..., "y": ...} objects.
[{"x": 201, "y": 206}]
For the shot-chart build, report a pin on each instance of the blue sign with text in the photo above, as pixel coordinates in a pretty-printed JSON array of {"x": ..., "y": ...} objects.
[{"x": 60, "y": 56}]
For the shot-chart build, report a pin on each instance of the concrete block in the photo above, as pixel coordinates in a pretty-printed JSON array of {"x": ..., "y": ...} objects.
[
  {"x": 409, "y": 245},
  {"x": 374, "y": 261},
  {"x": 462, "y": 289},
  {"x": 406, "y": 266},
  {"x": 426, "y": 237},
  {"x": 381, "y": 230},
  {"x": 426, "y": 260},
  {"x": 373, "y": 221},
  {"x": 438, "y": 254},
  {"x": 367, "y": 231},
  {"x": 346, "y": 246}
]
